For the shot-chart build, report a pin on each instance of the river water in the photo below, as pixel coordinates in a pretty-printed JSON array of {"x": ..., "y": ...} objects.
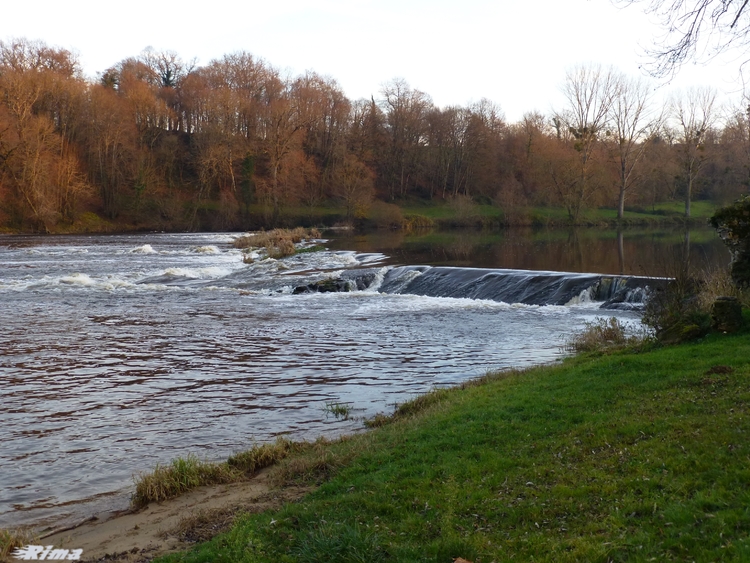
[{"x": 120, "y": 352}]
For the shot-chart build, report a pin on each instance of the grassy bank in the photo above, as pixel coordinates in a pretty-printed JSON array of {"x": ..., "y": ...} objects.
[
  {"x": 628, "y": 456},
  {"x": 404, "y": 215},
  {"x": 663, "y": 214}
]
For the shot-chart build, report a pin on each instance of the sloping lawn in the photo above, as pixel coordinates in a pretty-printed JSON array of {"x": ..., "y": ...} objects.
[{"x": 625, "y": 457}]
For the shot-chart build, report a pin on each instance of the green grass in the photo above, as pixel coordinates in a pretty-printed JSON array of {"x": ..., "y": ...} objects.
[
  {"x": 619, "y": 457},
  {"x": 445, "y": 211},
  {"x": 185, "y": 474},
  {"x": 180, "y": 476},
  {"x": 698, "y": 209},
  {"x": 667, "y": 213},
  {"x": 338, "y": 410},
  {"x": 310, "y": 249},
  {"x": 417, "y": 214}
]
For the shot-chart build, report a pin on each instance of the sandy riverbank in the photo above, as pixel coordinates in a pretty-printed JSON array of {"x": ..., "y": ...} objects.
[{"x": 173, "y": 525}]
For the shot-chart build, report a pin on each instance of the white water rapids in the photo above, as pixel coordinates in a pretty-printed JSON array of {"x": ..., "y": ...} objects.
[{"x": 120, "y": 352}]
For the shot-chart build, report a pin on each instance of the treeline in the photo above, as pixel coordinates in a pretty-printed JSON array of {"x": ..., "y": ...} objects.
[{"x": 159, "y": 142}]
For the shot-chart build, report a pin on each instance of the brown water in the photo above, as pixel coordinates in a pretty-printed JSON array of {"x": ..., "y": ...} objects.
[
  {"x": 120, "y": 352},
  {"x": 640, "y": 252}
]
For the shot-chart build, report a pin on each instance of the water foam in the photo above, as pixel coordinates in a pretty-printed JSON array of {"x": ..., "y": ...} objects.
[
  {"x": 374, "y": 287},
  {"x": 78, "y": 279},
  {"x": 208, "y": 272},
  {"x": 209, "y": 249},
  {"x": 144, "y": 249},
  {"x": 399, "y": 283},
  {"x": 586, "y": 297}
]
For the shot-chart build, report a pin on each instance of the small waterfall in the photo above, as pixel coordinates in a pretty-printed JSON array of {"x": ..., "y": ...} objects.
[
  {"x": 518, "y": 286},
  {"x": 528, "y": 287},
  {"x": 609, "y": 286}
]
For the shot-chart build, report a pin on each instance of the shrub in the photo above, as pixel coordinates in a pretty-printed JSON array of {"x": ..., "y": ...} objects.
[
  {"x": 413, "y": 222},
  {"x": 280, "y": 249},
  {"x": 465, "y": 210},
  {"x": 676, "y": 312},
  {"x": 277, "y": 243},
  {"x": 719, "y": 283},
  {"x": 603, "y": 335},
  {"x": 386, "y": 215}
]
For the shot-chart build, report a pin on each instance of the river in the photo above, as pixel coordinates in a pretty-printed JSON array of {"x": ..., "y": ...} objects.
[{"x": 119, "y": 352}]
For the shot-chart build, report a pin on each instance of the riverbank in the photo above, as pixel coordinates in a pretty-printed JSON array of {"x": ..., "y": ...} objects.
[
  {"x": 402, "y": 216},
  {"x": 631, "y": 456},
  {"x": 174, "y": 525}
]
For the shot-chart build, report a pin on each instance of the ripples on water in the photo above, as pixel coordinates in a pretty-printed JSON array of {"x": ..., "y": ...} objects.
[{"x": 121, "y": 352}]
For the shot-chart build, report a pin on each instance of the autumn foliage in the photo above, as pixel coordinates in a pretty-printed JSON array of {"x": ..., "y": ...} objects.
[{"x": 159, "y": 142}]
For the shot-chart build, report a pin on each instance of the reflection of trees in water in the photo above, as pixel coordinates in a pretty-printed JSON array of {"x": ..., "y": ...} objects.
[
  {"x": 574, "y": 243},
  {"x": 646, "y": 253},
  {"x": 461, "y": 249},
  {"x": 633, "y": 253},
  {"x": 671, "y": 255}
]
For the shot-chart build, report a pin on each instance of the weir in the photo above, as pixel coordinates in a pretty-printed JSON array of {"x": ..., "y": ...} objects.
[{"x": 517, "y": 286}]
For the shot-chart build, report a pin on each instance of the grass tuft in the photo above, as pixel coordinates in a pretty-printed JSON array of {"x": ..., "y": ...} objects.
[
  {"x": 421, "y": 403},
  {"x": 338, "y": 410},
  {"x": 185, "y": 474},
  {"x": 263, "y": 456},
  {"x": 10, "y": 540},
  {"x": 718, "y": 283},
  {"x": 317, "y": 461},
  {"x": 378, "y": 420},
  {"x": 180, "y": 476},
  {"x": 277, "y": 243},
  {"x": 340, "y": 542},
  {"x": 604, "y": 335}
]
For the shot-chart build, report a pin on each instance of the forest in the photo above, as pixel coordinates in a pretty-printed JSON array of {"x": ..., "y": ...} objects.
[{"x": 158, "y": 142}]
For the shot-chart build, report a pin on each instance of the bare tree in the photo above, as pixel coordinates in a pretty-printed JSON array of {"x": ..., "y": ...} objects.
[
  {"x": 695, "y": 114},
  {"x": 589, "y": 91},
  {"x": 40, "y": 90},
  {"x": 632, "y": 125},
  {"x": 353, "y": 184},
  {"x": 695, "y": 30},
  {"x": 735, "y": 139},
  {"x": 111, "y": 139},
  {"x": 406, "y": 110}
]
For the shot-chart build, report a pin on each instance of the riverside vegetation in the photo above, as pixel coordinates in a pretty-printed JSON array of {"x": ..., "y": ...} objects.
[
  {"x": 637, "y": 454},
  {"x": 277, "y": 243},
  {"x": 160, "y": 143}
]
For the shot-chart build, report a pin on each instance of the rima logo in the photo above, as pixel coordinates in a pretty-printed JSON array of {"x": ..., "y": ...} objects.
[{"x": 47, "y": 553}]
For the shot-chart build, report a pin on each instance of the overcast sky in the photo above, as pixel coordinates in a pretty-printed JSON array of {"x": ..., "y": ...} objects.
[{"x": 511, "y": 52}]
